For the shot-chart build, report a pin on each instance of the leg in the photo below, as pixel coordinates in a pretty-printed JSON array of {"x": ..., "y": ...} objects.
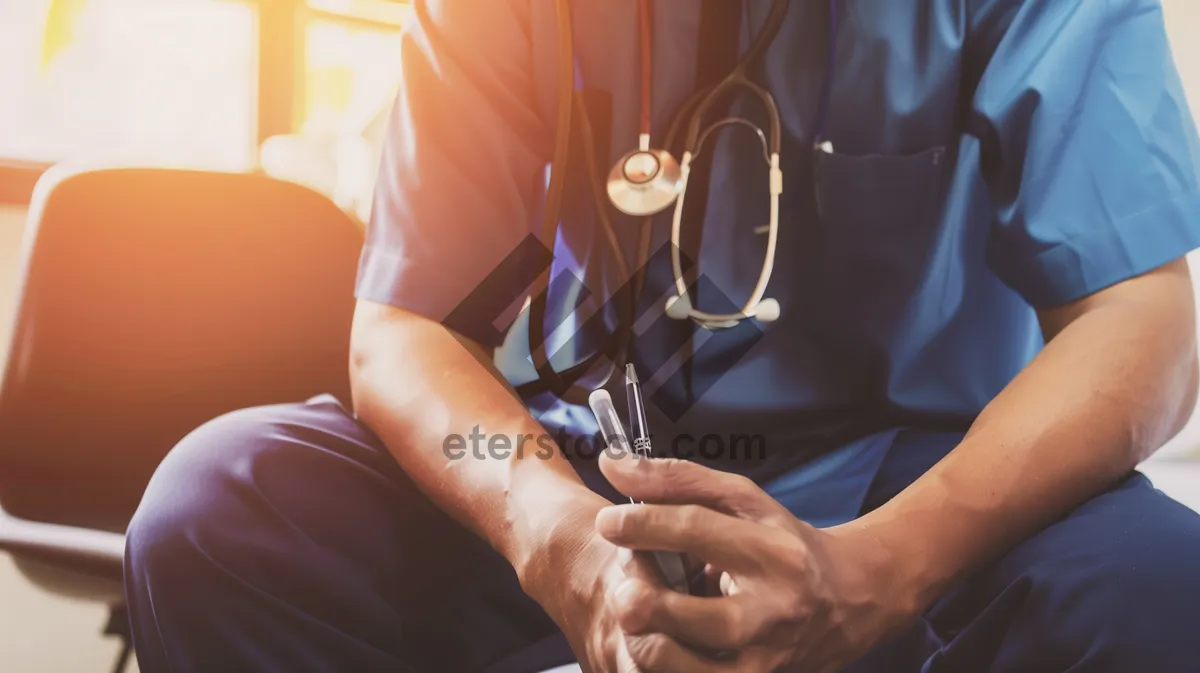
[
  {"x": 1113, "y": 587},
  {"x": 286, "y": 538}
]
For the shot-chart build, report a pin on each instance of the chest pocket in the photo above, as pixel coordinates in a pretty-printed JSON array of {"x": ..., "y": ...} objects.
[{"x": 879, "y": 216}]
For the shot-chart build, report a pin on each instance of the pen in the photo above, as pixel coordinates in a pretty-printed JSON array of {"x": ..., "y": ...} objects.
[
  {"x": 640, "y": 430},
  {"x": 670, "y": 563}
]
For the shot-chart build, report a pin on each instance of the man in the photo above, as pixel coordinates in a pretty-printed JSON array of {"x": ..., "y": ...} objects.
[{"x": 940, "y": 491}]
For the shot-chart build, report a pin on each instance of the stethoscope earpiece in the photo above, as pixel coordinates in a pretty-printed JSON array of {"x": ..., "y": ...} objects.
[
  {"x": 679, "y": 308},
  {"x": 767, "y": 310}
]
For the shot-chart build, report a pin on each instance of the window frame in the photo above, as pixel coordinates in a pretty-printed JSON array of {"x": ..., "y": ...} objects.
[{"x": 280, "y": 46}]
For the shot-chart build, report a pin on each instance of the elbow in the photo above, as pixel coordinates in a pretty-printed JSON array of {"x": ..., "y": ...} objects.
[
  {"x": 1189, "y": 393},
  {"x": 1185, "y": 381},
  {"x": 360, "y": 359},
  {"x": 365, "y": 356},
  {"x": 1177, "y": 406},
  {"x": 383, "y": 376}
]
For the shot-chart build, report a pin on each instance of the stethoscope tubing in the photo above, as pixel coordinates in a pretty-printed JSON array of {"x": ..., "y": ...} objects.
[
  {"x": 694, "y": 144},
  {"x": 646, "y": 67},
  {"x": 698, "y": 102},
  {"x": 555, "y": 191}
]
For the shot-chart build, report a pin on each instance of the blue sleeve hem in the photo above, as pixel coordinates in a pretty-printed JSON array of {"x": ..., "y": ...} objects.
[
  {"x": 1128, "y": 248},
  {"x": 466, "y": 300},
  {"x": 387, "y": 278}
]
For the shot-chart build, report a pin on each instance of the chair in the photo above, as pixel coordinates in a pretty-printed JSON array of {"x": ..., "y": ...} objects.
[{"x": 151, "y": 301}]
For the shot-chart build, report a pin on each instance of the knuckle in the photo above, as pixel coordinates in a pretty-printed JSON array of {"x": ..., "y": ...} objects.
[
  {"x": 778, "y": 520},
  {"x": 794, "y": 554},
  {"x": 742, "y": 484},
  {"x": 624, "y": 521},
  {"x": 666, "y": 474},
  {"x": 650, "y": 652},
  {"x": 737, "y": 626},
  {"x": 797, "y": 610},
  {"x": 740, "y": 496},
  {"x": 633, "y": 604},
  {"x": 627, "y": 561},
  {"x": 627, "y": 666},
  {"x": 668, "y": 466},
  {"x": 692, "y": 517}
]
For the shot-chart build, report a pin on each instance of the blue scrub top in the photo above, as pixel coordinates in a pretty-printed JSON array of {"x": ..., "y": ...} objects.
[{"x": 991, "y": 157}]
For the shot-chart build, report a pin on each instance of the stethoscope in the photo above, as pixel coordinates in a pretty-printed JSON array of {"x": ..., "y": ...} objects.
[{"x": 649, "y": 180}]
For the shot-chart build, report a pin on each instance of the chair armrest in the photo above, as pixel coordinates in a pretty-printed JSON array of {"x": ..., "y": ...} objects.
[{"x": 93, "y": 552}]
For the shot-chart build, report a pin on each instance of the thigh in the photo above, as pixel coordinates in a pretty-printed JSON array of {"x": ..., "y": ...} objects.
[
  {"x": 287, "y": 538},
  {"x": 1112, "y": 587}
]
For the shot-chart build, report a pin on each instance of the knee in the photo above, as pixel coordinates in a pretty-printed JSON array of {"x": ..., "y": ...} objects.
[
  {"x": 1154, "y": 586},
  {"x": 1132, "y": 605},
  {"x": 193, "y": 499}
]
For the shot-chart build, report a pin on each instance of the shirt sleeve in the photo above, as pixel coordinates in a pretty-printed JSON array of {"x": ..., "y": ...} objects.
[
  {"x": 1088, "y": 148},
  {"x": 463, "y": 164}
]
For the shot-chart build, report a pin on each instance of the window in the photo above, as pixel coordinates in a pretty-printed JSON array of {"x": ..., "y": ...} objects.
[
  {"x": 212, "y": 84},
  {"x": 378, "y": 12},
  {"x": 350, "y": 72},
  {"x": 350, "y": 76},
  {"x": 136, "y": 81}
]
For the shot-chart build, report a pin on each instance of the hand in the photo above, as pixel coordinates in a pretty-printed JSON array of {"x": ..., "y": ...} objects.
[
  {"x": 793, "y": 598},
  {"x": 575, "y": 581},
  {"x": 598, "y": 641}
]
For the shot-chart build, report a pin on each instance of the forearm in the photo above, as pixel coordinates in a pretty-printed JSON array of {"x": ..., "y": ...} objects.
[
  {"x": 415, "y": 385},
  {"x": 1108, "y": 390}
]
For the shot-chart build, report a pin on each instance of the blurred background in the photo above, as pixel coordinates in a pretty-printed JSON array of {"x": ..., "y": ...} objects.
[
  {"x": 295, "y": 88},
  {"x": 298, "y": 89}
]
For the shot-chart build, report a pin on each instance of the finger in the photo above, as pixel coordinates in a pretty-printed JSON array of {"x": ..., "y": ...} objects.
[
  {"x": 658, "y": 653},
  {"x": 623, "y": 660},
  {"x": 641, "y": 565},
  {"x": 727, "y": 623},
  {"x": 712, "y": 571},
  {"x": 718, "y": 538},
  {"x": 671, "y": 481},
  {"x": 631, "y": 566},
  {"x": 712, "y": 580}
]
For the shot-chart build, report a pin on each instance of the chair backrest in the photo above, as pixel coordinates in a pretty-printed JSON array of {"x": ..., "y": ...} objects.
[{"x": 152, "y": 300}]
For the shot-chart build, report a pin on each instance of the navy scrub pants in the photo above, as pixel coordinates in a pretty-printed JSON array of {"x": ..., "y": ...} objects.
[{"x": 285, "y": 538}]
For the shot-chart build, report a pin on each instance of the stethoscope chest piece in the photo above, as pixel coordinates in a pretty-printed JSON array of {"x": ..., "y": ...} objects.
[{"x": 644, "y": 182}]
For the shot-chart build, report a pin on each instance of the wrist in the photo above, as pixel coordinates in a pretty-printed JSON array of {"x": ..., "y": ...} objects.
[
  {"x": 932, "y": 536},
  {"x": 555, "y": 553},
  {"x": 895, "y": 560}
]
